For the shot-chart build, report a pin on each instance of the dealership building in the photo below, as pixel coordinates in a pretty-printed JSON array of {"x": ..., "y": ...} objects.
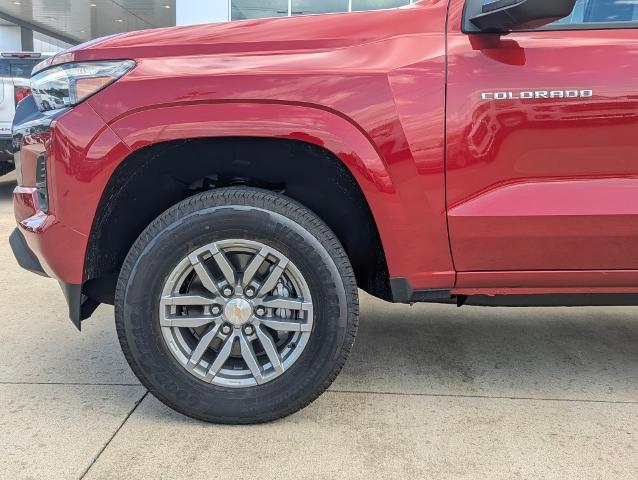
[{"x": 54, "y": 25}]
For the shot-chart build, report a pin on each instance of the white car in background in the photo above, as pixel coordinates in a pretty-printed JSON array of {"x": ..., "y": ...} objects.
[{"x": 15, "y": 72}]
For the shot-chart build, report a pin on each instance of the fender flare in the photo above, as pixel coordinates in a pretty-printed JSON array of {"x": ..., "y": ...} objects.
[{"x": 318, "y": 126}]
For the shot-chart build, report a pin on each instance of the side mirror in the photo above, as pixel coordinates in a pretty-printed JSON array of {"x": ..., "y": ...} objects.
[{"x": 503, "y": 16}]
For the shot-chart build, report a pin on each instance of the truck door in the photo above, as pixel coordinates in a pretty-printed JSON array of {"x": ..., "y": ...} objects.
[{"x": 542, "y": 144}]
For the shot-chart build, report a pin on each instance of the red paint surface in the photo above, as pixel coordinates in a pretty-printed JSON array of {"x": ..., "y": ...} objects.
[
  {"x": 534, "y": 186},
  {"x": 543, "y": 184}
]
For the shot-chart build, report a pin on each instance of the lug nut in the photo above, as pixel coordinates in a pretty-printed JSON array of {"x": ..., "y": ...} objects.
[
  {"x": 248, "y": 330},
  {"x": 261, "y": 311},
  {"x": 227, "y": 292},
  {"x": 250, "y": 292},
  {"x": 216, "y": 310},
  {"x": 226, "y": 329}
]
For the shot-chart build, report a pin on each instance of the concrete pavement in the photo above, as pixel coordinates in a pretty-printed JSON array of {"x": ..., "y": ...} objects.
[{"x": 429, "y": 392}]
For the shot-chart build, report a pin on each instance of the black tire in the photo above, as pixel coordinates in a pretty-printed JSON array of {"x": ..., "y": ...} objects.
[{"x": 237, "y": 213}]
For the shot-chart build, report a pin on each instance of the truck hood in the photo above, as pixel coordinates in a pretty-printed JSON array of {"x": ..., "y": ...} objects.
[{"x": 267, "y": 36}]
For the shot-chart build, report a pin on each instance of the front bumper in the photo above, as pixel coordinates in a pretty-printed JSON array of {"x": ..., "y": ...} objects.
[
  {"x": 47, "y": 241},
  {"x": 80, "y": 307}
]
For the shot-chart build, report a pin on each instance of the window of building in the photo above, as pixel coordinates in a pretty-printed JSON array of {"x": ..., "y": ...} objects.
[
  {"x": 243, "y": 9},
  {"x": 358, "y": 5},
  {"x": 307, "y": 7},
  {"x": 602, "y": 11},
  {"x": 45, "y": 44}
]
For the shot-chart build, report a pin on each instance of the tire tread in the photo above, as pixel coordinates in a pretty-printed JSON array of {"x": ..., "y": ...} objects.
[{"x": 264, "y": 199}]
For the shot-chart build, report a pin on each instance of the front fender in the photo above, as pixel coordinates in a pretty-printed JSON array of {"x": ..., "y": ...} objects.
[{"x": 393, "y": 209}]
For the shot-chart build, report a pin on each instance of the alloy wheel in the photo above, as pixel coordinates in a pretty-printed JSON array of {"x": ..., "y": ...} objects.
[{"x": 236, "y": 313}]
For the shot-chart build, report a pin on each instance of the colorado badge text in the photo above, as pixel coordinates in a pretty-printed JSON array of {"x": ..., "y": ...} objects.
[{"x": 537, "y": 94}]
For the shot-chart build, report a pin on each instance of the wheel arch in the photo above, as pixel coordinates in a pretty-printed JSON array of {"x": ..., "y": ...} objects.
[
  {"x": 156, "y": 176},
  {"x": 338, "y": 146}
]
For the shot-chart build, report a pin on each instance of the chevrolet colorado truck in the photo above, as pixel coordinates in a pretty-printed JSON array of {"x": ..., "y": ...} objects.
[{"x": 230, "y": 187}]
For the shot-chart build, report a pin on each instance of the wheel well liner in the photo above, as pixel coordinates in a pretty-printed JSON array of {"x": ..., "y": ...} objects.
[{"x": 155, "y": 178}]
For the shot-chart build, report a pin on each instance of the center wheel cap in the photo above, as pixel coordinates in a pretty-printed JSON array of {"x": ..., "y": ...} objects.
[{"x": 238, "y": 311}]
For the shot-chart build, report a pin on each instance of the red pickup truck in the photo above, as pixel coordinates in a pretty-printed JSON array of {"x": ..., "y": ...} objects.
[{"x": 229, "y": 187}]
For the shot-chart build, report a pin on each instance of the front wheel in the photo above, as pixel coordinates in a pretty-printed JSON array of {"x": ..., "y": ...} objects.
[{"x": 237, "y": 306}]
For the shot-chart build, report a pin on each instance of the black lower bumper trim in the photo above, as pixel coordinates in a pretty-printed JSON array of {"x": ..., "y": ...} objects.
[
  {"x": 25, "y": 257},
  {"x": 80, "y": 306},
  {"x": 402, "y": 292}
]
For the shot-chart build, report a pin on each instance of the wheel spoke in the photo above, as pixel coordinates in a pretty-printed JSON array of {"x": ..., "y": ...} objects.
[
  {"x": 204, "y": 276},
  {"x": 224, "y": 265},
  {"x": 285, "y": 303},
  {"x": 270, "y": 348},
  {"x": 187, "y": 300},
  {"x": 286, "y": 325},
  {"x": 250, "y": 358},
  {"x": 202, "y": 346},
  {"x": 179, "y": 321},
  {"x": 185, "y": 322},
  {"x": 276, "y": 273},
  {"x": 221, "y": 358},
  {"x": 253, "y": 266}
]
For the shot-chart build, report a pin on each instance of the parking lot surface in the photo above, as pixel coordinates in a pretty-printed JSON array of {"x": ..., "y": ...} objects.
[{"x": 429, "y": 392}]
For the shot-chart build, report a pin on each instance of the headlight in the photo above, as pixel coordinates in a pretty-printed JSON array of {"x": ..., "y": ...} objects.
[{"x": 69, "y": 84}]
